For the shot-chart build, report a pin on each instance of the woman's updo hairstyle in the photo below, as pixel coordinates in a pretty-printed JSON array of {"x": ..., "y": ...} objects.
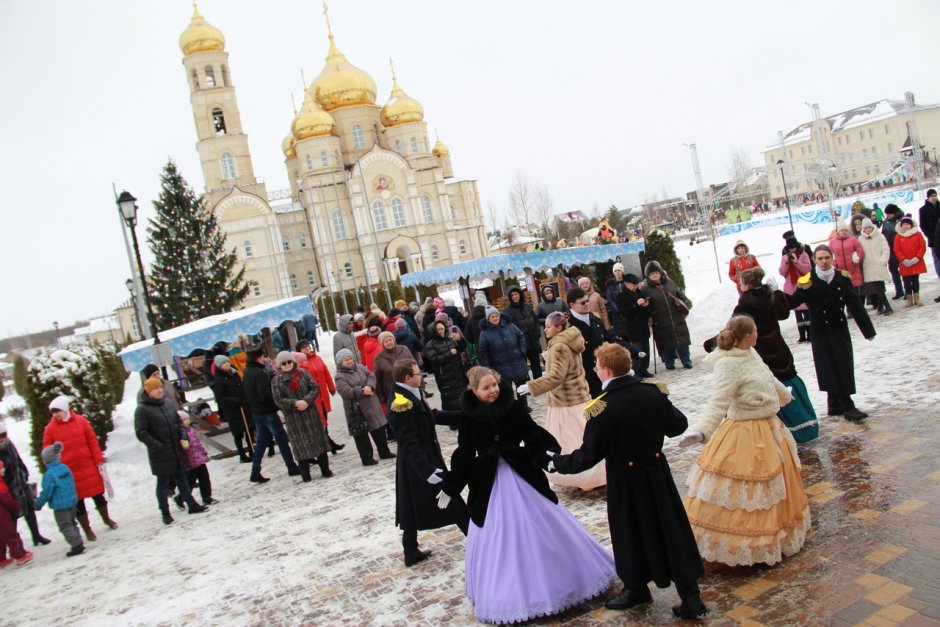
[
  {"x": 734, "y": 331},
  {"x": 476, "y": 374},
  {"x": 753, "y": 277},
  {"x": 557, "y": 319}
]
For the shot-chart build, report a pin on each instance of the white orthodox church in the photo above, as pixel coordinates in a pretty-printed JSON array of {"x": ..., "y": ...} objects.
[{"x": 370, "y": 197}]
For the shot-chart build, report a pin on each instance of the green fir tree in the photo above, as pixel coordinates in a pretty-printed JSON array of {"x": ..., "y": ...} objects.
[{"x": 193, "y": 275}]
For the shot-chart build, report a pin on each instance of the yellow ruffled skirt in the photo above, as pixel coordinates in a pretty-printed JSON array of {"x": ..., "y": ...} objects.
[
  {"x": 746, "y": 499},
  {"x": 567, "y": 425}
]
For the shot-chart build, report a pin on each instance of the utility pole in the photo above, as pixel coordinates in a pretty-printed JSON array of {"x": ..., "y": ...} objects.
[{"x": 705, "y": 213}]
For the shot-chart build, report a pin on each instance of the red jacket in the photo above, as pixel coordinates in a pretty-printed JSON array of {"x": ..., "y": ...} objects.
[
  {"x": 9, "y": 510},
  {"x": 81, "y": 452},
  {"x": 907, "y": 246},
  {"x": 842, "y": 250},
  {"x": 740, "y": 264},
  {"x": 322, "y": 377},
  {"x": 370, "y": 349}
]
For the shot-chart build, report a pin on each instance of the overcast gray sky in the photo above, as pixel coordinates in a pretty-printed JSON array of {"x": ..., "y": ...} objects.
[{"x": 594, "y": 100}]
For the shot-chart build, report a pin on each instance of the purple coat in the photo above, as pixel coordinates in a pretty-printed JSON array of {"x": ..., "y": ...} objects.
[{"x": 196, "y": 453}]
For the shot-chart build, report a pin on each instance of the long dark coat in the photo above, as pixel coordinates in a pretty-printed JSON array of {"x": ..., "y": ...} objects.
[
  {"x": 503, "y": 348},
  {"x": 384, "y": 365},
  {"x": 488, "y": 432},
  {"x": 448, "y": 369},
  {"x": 829, "y": 329},
  {"x": 524, "y": 318},
  {"x": 594, "y": 335},
  {"x": 419, "y": 455},
  {"x": 304, "y": 428},
  {"x": 160, "y": 429},
  {"x": 766, "y": 307},
  {"x": 669, "y": 328},
  {"x": 349, "y": 384},
  {"x": 636, "y": 319},
  {"x": 16, "y": 476},
  {"x": 233, "y": 404},
  {"x": 649, "y": 529}
]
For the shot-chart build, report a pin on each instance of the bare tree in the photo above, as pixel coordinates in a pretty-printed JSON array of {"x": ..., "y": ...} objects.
[
  {"x": 544, "y": 208},
  {"x": 492, "y": 216},
  {"x": 739, "y": 165},
  {"x": 521, "y": 201}
]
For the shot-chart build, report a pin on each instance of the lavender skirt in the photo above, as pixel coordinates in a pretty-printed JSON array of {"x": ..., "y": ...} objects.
[{"x": 532, "y": 557}]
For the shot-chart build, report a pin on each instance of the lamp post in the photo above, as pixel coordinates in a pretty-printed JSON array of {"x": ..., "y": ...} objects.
[
  {"x": 129, "y": 284},
  {"x": 127, "y": 205},
  {"x": 56, "y": 325},
  {"x": 786, "y": 196}
]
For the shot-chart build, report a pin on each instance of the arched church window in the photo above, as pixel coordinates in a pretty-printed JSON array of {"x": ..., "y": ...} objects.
[
  {"x": 309, "y": 161},
  {"x": 398, "y": 212},
  {"x": 398, "y": 146},
  {"x": 218, "y": 121},
  {"x": 426, "y": 212},
  {"x": 347, "y": 267},
  {"x": 378, "y": 216},
  {"x": 310, "y": 280},
  {"x": 463, "y": 247},
  {"x": 255, "y": 288},
  {"x": 195, "y": 79},
  {"x": 324, "y": 160},
  {"x": 210, "y": 76},
  {"x": 293, "y": 281},
  {"x": 339, "y": 225},
  {"x": 285, "y": 242},
  {"x": 435, "y": 253},
  {"x": 225, "y": 79},
  {"x": 414, "y": 146},
  {"x": 358, "y": 139},
  {"x": 228, "y": 166},
  {"x": 247, "y": 247}
]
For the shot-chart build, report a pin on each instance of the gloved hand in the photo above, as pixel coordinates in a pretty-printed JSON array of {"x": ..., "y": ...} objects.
[
  {"x": 443, "y": 500},
  {"x": 550, "y": 466},
  {"x": 690, "y": 438},
  {"x": 522, "y": 390},
  {"x": 435, "y": 478},
  {"x": 772, "y": 282},
  {"x": 855, "y": 258}
]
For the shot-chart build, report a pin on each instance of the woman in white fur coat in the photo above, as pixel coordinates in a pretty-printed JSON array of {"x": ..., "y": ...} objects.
[
  {"x": 746, "y": 499},
  {"x": 875, "y": 266}
]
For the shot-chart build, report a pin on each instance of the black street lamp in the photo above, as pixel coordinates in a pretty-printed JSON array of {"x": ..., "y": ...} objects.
[
  {"x": 786, "y": 196},
  {"x": 127, "y": 205},
  {"x": 129, "y": 284}
]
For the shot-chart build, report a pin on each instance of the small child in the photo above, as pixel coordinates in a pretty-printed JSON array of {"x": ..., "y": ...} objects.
[
  {"x": 58, "y": 489},
  {"x": 9, "y": 538},
  {"x": 198, "y": 460}
]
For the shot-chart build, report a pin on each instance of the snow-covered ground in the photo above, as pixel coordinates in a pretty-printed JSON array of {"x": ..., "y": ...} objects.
[{"x": 328, "y": 552}]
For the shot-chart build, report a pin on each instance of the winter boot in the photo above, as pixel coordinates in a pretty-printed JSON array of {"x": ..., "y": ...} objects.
[
  {"x": 324, "y": 462},
  {"x": 86, "y": 527},
  {"x": 196, "y": 508},
  {"x": 106, "y": 517},
  {"x": 78, "y": 550},
  {"x": 691, "y": 608},
  {"x": 33, "y": 525},
  {"x": 917, "y": 302},
  {"x": 886, "y": 306},
  {"x": 334, "y": 447},
  {"x": 25, "y": 557},
  {"x": 243, "y": 456},
  {"x": 305, "y": 471},
  {"x": 908, "y": 301}
]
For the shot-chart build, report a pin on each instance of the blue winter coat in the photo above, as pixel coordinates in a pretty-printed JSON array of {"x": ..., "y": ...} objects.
[
  {"x": 58, "y": 487},
  {"x": 502, "y": 348}
]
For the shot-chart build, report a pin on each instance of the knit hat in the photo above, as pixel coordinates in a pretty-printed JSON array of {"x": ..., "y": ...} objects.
[
  {"x": 342, "y": 355},
  {"x": 383, "y": 335},
  {"x": 299, "y": 358},
  {"x": 842, "y": 226},
  {"x": 152, "y": 384},
  {"x": 479, "y": 299},
  {"x": 618, "y": 266},
  {"x": 931, "y": 192},
  {"x": 359, "y": 317},
  {"x": 489, "y": 310},
  {"x": 52, "y": 453},
  {"x": 283, "y": 357},
  {"x": 400, "y": 323},
  {"x": 220, "y": 360},
  {"x": 631, "y": 278},
  {"x": 60, "y": 402},
  {"x": 400, "y": 304},
  {"x": 374, "y": 331},
  {"x": 792, "y": 243},
  {"x": 148, "y": 370},
  {"x": 867, "y": 223},
  {"x": 907, "y": 220},
  {"x": 892, "y": 209}
]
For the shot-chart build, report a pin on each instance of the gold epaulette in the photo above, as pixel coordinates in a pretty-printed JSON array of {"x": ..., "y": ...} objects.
[
  {"x": 805, "y": 281},
  {"x": 595, "y": 407},
  {"x": 401, "y": 403},
  {"x": 846, "y": 274},
  {"x": 659, "y": 384}
]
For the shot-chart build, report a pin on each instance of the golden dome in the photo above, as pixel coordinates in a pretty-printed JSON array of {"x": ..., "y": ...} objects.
[
  {"x": 400, "y": 108},
  {"x": 201, "y": 35},
  {"x": 312, "y": 121},
  {"x": 287, "y": 146},
  {"x": 440, "y": 150},
  {"x": 341, "y": 84}
]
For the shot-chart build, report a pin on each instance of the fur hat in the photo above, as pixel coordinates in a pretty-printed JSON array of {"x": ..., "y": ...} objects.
[
  {"x": 479, "y": 299},
  {"x": 52, "y": 453},
  {"x": 631, "y": 278},
  {"x": 892, "y": 209},
  {"x": 618, "y": 266},
  {"x": 61, "y": 403},
  {"x": 359, "y": 317},
  {"x": 283, "y": 357},
  {"x": 342, "y": 355},
  {"x": 148, "y": 370},
  {"x": 220, "y": 360},
  {"x": 489, "y": 310},
  {"x": 374, "y": 331},
  {"x": 152, "y": 384},
  {"x": 792, "y": 243},
  {"x": 400, "y": 323},
  {"x": 788, "y": 234}
]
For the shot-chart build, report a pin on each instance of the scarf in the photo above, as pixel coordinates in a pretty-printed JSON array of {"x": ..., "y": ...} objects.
[
  {"x": 826, "y": 275},
  {"x": 294, "y": 383}
]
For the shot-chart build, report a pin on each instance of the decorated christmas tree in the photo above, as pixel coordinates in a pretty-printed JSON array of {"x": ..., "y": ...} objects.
[{"x": 192, "y": 275}]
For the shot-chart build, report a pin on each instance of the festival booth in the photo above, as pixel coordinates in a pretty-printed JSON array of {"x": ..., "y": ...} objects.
[{"x": 498, "y": 266}]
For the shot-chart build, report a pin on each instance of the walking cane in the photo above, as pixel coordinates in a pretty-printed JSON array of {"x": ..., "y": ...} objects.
[
  {"x": 251, "y": 445},
  {"x": 654, "y": 346}
]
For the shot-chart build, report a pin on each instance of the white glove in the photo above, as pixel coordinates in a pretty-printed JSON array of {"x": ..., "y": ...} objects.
[
  {"x": 855, "y": 257},
  {"x": 443, "y": 500},
  {"x": 522, "y": 390},
  {"x": 772, "y": 282},
  {"x": 909, "y": 262},
  {"x": 551, "y": 462},
  {"x": 435, "y": 478},
  {"x": 690, "y": 438}
]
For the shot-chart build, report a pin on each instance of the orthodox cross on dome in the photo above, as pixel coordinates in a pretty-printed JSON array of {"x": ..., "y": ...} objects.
[
  {"x": 303, "y": 79},
  {"x": 326, "y": 15},
  {"x": 293, "y": 103},
  {"x": 391, "y": 64}
]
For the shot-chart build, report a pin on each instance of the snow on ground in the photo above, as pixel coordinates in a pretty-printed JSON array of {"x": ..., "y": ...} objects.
[{"x": 328, "y": 552}]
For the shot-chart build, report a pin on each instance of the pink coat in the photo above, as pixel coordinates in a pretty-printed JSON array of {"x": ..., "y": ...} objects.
[
  {"x": 791, "y": 271},
  {"x": 80, "y": 452},
  {"x": 196, "y": 453},
  {"x": 842, "y": 250}
]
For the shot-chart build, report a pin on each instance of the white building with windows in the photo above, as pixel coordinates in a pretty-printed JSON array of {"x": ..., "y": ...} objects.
[{"x": 370, "y": 197}]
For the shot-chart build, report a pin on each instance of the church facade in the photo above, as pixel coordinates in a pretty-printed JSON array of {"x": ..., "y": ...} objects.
[{"x": 370, "y": 197}]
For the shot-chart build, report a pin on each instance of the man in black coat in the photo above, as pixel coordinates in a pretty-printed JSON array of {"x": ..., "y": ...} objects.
[
  {"x": 828, "y": 292},
  {"x": 158, "y": 426},
  {"x": 929, "y": 218},
  {"x": 593, "y": 332},
  {"x": 233, "y": 406},
  {"x": 893, "y": 215},
  {"x": 523, "y": 317},
  {"x": 633, "y": 310},
  {"x": 420, "y": 465},
  {"x": 257, "y": 385},
  {"x": 649, "y": 529}
]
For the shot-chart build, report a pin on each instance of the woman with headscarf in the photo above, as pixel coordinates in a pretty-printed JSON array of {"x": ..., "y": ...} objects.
[
  {"x": 391, "y": 351},
  {"x": 16, "y": 476},
  {"x": 443, "y": 351},
  {"x": 502, "y": 346},
  {"x": 294, "y": 393},
  {"x": 309, "y": 360},
  {"x": 847, "y": 254},
  {"x": 364, "y": 417},
  {"x": 568, "y": 393},
  {"x": 668, "y": 308}
]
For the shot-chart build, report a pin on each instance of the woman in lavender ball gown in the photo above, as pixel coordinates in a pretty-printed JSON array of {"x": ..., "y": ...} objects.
[{"x": 526, "y": 556}]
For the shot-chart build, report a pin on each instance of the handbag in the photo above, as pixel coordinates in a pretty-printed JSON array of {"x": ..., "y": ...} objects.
[
  {"x": 680, "y": 304},
  {"x": 355, "y": 421}
]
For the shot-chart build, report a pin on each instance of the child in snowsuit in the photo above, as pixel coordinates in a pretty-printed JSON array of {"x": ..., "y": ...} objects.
[
  {"x": 9, "y": 538},
  {"x": 58, "y": 489},
  {"x": 198, "y": 459}
]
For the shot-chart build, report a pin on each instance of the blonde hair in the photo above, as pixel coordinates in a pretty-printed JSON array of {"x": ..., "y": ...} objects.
[
  {"x": 476, "y": 374},
  {"x": 735, "y": 330}
]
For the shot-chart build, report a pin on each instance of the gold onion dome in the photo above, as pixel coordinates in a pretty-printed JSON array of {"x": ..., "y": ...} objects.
[
  {"x": 201, "y": 35},
  {"x": 440, "y": 150},
  {"x": 312, "y": 121},
  {"x": 287, "y": 146},
  {"x": 341, "y": 84},
  {"x": 400, "y": 108}
]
